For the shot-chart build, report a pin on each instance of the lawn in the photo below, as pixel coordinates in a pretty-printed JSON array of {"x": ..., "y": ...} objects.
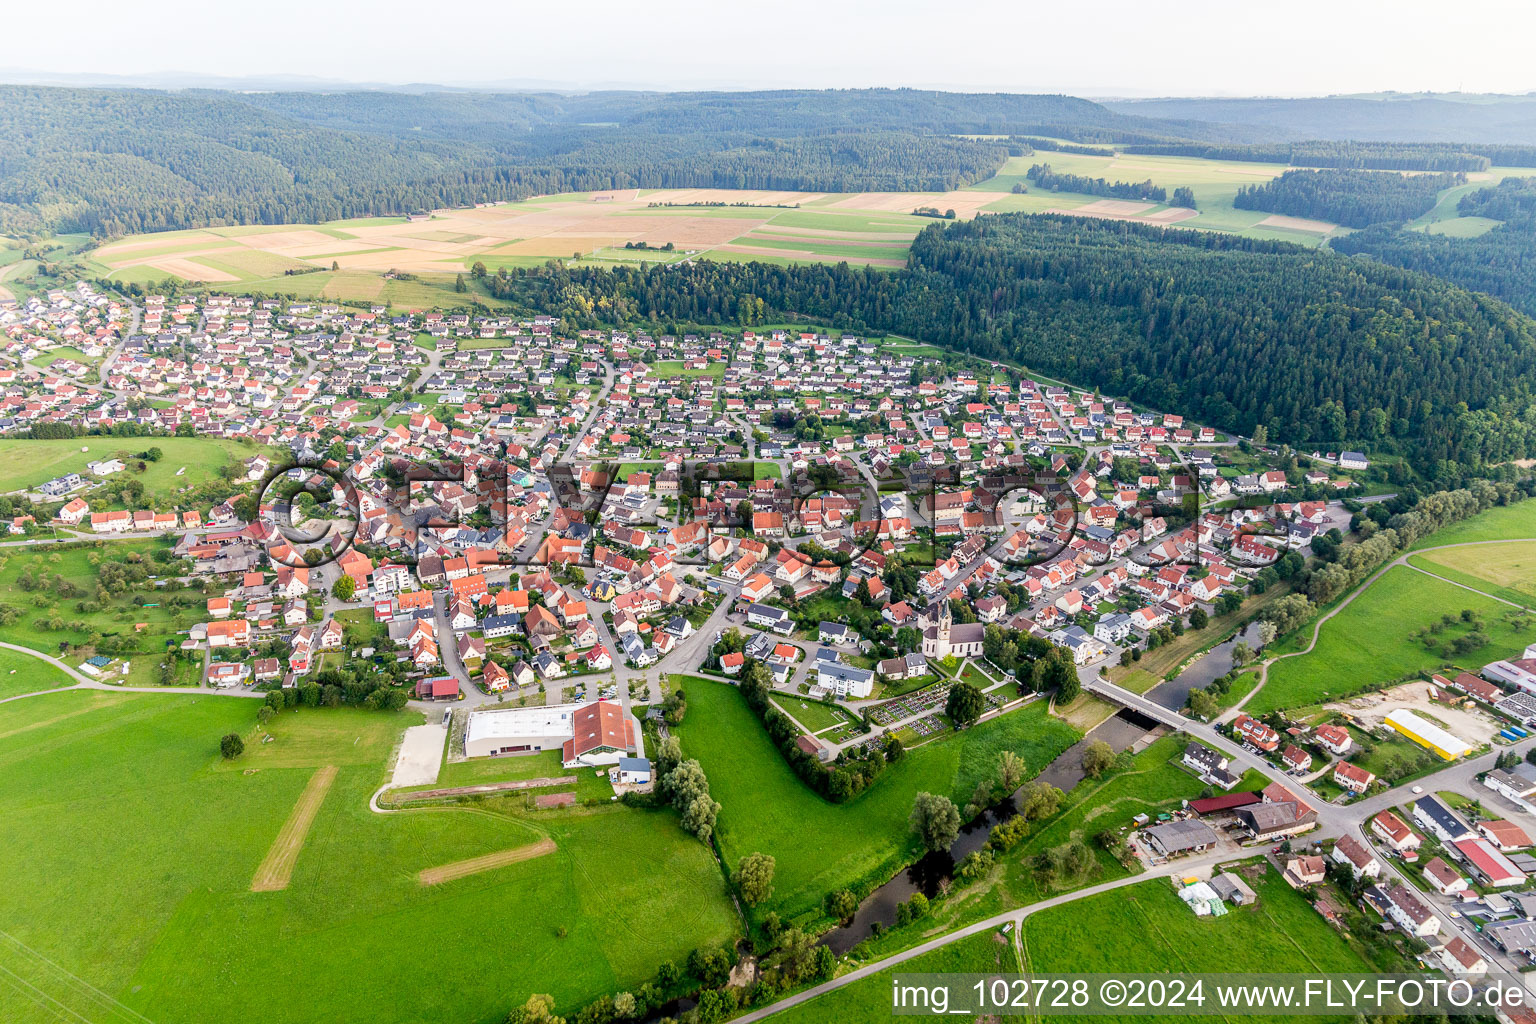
[
  {"x": 1503, "y": 570},
  {"x": 812, "y": 714},
  {"x": 674, "y": 368},
  {"x": 868, "y": 1000},
  {"x": 821, "y": 847},
  {"x": 22, "y": 673},
  {"x": 1371, "y": 641},
  {"x": 1147, "y": 929},
  {"x": 113, "y": 898},
  {"x": 28, "y": 463}
]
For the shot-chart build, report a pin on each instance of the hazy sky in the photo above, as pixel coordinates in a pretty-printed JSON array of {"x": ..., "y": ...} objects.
[{"x": 1104, "y": 48}]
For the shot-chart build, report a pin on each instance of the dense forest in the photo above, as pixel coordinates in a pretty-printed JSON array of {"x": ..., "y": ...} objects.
[
  {"x": 1227, "y": 330},
  {"x": 1500, "y": 262},
  {"x": 1355, "y": 199},
  {"x": 1376, "y": 156},
  {"x": 111, "y": 162},
  {"x": 1044, "y": 177}
]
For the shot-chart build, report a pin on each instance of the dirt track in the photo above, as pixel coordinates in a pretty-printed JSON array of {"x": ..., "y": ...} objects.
[
  {"x": 474, "y": 865},
  {"x": 489, "y": 787},
  {"x": 277, "y": 867}
]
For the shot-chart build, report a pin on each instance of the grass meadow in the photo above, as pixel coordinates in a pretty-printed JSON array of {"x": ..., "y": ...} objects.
[
  {"x": 25, "y": 463},
  {"x": 1371, "y": 640},
  {"x": 22, "y": 673},
  {"x": 134, "y": 847},
  {"x": 1506, "y": 522},
  {"x": 1503, "y": 570},
  {"x": 868, "y": 1000},
  {"x": 820, "y": 846},
  {"x": 1147, "y": 929}
]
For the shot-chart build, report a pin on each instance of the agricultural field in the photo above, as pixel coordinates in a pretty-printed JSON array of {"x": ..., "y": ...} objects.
[
  {"x": 1371, "y": 640},
  {"x": 1502, "y": 570},
  {"x": 25, "y": 463},
  {"x": 347, "y": 260},
  {"x": 1146, "y": 928},
  {"x": 1214, "y": 183},
  {"x": 22, "y": 673},
  {"x": 868, "y": 1000},
  {"x": 822, "y": 846},
  {"x": 104, "y": 895}
]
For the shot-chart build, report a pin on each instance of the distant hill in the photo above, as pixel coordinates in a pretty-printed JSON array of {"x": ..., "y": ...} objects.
[
  {"x": 1385, "y": 117},
  {"x": 113, "y": 161}
]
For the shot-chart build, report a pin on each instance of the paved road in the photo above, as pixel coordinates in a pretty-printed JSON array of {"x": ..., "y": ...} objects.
[{"x": 1015, "y": 917}]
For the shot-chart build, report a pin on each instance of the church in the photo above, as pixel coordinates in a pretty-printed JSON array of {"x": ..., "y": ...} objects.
[{"x": 944, "y": 638}]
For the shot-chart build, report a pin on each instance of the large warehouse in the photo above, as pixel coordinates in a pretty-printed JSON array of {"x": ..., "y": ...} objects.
[
  {"x": 595, "y": 733},
  {"x": 1427, "y": 734}
]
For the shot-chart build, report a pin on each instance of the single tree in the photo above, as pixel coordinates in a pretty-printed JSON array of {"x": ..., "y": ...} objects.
[
  {"x": 231, "y": 746},
  {"x": 964, "y": 705},
  {"x": 1097, "y": 758},
  {"x": 754, "y": 878},
  {"x": 1010, "y": 771},
  {"x": 345, "y": 588},
  {"x": 936, "y": 820}
]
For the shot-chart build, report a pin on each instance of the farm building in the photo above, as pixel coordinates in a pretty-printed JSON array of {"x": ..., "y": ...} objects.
[
  {"x": 1187, "y": 836},
  {"x": 1427, "y": 734}
]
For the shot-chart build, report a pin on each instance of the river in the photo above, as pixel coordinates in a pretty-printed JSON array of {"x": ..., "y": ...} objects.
[
  {"x": 1120, "y": 731},
  {"x": 1212, "y": 665}
]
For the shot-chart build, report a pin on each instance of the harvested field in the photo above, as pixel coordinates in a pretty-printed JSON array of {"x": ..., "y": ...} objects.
[
  {"x": 191, "y": 270},
  {"x": 964, "y": 203},
  {"x": 1114, "y": 208},
  {"x": 554, "y": 800},
  {"x": 1277, "y": 220},
  {"x": 1172, "y": 215},
  {"x": 474, "y": 865},
  {"x": 890, "y": 237},
  {"x": 730, "y": 196},
  {"x": 489, "y": 787},
  {"x": 277, "y": 867},
  {"x": 806, "y": 254}
]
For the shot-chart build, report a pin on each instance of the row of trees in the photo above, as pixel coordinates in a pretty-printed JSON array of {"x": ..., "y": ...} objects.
[{"x": 854, "y": 770}]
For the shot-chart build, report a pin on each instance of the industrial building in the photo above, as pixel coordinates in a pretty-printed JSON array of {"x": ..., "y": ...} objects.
[
  {"x": 1427, "y": 734},
  {"x": 594, "y": 734}
]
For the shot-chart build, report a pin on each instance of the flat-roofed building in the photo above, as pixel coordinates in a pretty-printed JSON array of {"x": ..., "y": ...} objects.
[{"x": 509, "y": 731}]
